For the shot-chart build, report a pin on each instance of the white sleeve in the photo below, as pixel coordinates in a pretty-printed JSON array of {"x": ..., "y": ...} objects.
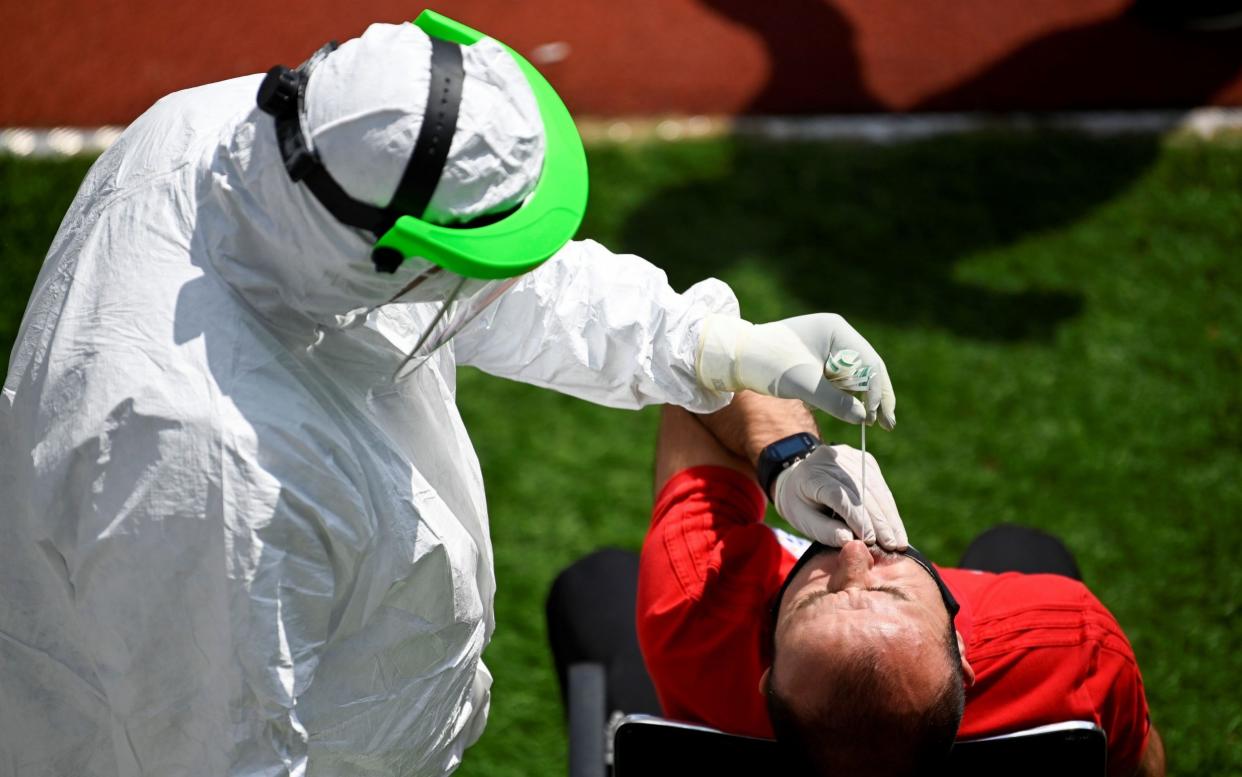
[{"x": 601, "y": 326}]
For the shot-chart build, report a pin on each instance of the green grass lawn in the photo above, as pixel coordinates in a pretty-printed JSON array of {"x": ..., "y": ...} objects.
[{"x": 1062, "y": 318}]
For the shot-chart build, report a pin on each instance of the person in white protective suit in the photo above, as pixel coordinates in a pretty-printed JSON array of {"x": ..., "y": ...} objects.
[{"x": 235, "y": 540}]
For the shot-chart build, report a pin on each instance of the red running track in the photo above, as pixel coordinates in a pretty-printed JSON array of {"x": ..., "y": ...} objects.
[{"x": 76, "y": 63}]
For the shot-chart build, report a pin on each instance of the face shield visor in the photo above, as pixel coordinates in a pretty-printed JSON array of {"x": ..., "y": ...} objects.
[
  {"x": 459, "y": 301},
  {"x": 469, "y": 265}
]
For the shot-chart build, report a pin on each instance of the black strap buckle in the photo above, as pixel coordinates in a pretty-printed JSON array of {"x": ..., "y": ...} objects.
[{"x": 278, "y": 94}]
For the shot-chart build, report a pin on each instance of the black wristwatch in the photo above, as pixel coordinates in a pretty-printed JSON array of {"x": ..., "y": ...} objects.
[{"x": 782, "y": 454}]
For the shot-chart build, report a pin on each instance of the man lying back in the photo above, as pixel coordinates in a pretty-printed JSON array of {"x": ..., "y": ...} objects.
[{"x": 862, "y": 661}]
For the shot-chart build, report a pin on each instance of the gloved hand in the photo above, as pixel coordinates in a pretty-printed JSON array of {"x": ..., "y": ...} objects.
[
  {"x": 786, "y": 359},
  {"x": 809, "y": 492}
]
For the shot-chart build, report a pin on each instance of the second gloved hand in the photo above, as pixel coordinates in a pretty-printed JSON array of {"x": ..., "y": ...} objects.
[
  {"x": 786, "y": 359},
  {"x": 820, "y": 497}
]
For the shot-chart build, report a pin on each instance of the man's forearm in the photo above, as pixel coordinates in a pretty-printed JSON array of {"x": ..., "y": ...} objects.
[
  {"x": 753, "y": 421},
  {"x": 1153, "y": 763}
]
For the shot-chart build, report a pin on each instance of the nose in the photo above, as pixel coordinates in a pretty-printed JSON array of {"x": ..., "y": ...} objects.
[{"x": 853, "y": 563}]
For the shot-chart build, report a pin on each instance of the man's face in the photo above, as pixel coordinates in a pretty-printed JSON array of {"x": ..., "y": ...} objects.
[{"x": 860, "y": 597}]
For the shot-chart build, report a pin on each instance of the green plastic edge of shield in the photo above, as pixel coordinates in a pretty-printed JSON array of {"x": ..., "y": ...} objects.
[{"x": 546, "y": 221}]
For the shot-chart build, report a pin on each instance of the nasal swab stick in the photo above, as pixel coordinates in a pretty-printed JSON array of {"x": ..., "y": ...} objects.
[
  {"x": 845, "y": 370},
  {"x": 862, "y": 433}
]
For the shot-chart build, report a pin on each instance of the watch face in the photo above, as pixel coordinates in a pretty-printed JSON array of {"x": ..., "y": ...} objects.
[
  {"x": 780, "y": 455},
  {"x": 789, "y": 447}
]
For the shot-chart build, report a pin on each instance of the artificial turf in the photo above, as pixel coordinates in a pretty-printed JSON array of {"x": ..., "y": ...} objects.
[{"x": 1062, "y": 317}]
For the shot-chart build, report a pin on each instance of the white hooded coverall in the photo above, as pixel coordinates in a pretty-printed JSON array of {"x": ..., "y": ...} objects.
[{"x": 230, "y": 544}]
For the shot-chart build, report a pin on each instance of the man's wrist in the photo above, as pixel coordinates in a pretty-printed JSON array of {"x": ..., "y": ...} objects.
[{"x": 753, "y": 421}]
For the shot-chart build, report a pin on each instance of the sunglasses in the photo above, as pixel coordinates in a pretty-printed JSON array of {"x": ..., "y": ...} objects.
[{"x": 950, "y": 604}]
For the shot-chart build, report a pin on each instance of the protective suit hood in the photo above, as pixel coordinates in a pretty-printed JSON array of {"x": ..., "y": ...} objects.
[{"x": 363, "y": 110}]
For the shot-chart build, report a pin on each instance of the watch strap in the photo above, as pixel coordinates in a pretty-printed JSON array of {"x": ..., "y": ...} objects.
[{"x": 781, "y": 455}]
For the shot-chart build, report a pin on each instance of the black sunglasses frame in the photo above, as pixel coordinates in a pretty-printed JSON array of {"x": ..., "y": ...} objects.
[{"x": 950, "y": 603}]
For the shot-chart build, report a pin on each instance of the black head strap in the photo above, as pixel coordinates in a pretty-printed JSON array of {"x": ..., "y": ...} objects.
[
  {"x": 426, "y": 164},
  {"x": 282, "y": 93}
]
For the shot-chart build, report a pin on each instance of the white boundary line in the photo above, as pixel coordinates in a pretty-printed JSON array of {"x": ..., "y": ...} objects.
[
  {"x": 873, "y": 128},
  {"x": 1200, "y": 122},
  {"x": 58, "y": 141},
  {"x": 896, "y": 128}
]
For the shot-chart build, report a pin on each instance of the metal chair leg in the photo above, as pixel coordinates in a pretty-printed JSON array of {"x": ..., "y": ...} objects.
[{"x": 587, "y": 720}]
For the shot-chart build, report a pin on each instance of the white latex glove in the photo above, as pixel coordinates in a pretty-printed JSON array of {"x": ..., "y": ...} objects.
[
  {"x": 826, "y": 482},
  {"x": 786, "y": 359}
]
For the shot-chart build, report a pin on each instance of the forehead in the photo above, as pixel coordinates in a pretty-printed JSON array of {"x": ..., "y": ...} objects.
[
  {"x": 903, "y": 641},
  {"x": 884, "y": 623}
]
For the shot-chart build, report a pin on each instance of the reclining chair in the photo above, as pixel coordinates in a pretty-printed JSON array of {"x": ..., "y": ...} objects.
[{"x": 613, "y": 712}]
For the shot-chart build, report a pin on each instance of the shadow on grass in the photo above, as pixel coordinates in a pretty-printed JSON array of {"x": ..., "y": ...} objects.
[{"x": 877, "y": 232}]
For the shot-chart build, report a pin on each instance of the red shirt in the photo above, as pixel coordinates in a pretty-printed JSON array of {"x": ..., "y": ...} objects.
[{"x": 1042, "y": 646}]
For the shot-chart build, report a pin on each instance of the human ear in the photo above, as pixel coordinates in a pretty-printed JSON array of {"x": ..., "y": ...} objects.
[
  {"x": 968, "y": 671},
  {"x": 763, "y": 681}
]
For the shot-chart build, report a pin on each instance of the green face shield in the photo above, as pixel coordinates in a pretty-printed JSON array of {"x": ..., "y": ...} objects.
[
  {"x": 547, "y": 219},
  {"x": 471, "y": 265}
]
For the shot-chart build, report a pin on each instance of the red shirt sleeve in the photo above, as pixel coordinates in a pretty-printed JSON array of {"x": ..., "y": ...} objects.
[
  {"x": 1044, "y": 650},
  {"x": 1117, "y": 687},
  {"x": 709, "y": 568}
]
